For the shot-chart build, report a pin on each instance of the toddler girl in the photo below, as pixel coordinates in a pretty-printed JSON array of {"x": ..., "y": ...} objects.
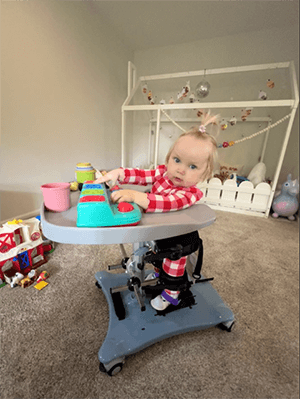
[{"x": 189, "y": 161}]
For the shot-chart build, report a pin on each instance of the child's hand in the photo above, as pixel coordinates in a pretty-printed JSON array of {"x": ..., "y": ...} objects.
[
  {"x": 131, "y": 196},
  {"x": 123, "y": 196},
  {"x": 111, "y": 177}
]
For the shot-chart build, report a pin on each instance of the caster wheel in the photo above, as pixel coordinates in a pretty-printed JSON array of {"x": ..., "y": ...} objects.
[
  {"x": 115, "y": 369},
  {"x": 102, "y": 368},
  {"x": 97, "y": 285},
  {"x": 226, "y": 326}
]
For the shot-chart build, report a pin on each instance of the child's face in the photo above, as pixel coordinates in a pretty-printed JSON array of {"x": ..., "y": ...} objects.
[{"x": 188, "y": 161}]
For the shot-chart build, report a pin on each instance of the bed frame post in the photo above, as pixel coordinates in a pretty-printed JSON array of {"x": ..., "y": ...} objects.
[
  {"x": 131, "y": 89},
  {"x": 157, "y": 137},
  {"x": 265, "y": 143},
  {"x": 150, "y": 161},
  {"x": 131, "y": 77},
  {"x": 123, "y": 144}
]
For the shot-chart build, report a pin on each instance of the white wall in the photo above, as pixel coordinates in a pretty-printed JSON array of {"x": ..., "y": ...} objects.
[
  {"x": 266, "y": 46},
  {"x": 64, "y": 78}
]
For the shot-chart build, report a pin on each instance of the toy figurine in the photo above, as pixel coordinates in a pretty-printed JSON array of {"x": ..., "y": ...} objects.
[
  {"x": 286, "y": 203},
  {"x": 43, "y": 276},
  {"x": 16, "y": 279},
  {"x": 32, "y": 275},
  {"x": 25, "y": 282}
]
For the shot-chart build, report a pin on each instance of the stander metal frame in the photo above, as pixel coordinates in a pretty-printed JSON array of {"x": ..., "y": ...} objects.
[{"x": 133, "y": 323}]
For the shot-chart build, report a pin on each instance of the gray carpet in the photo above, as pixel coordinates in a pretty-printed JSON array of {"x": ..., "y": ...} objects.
[{"x": 50, "y": 338}]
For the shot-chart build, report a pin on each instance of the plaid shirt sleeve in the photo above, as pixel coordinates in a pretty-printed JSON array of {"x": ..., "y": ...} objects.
[
  {"x": 173, "y": 202},
  {"x": 141, "y": 177}
]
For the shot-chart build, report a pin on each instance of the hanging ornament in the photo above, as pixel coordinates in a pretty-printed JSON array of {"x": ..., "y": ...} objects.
[
  {"x": 162, "y": 102},
  {"x": 150, "y": 95},
  {"x": 223, "y": 124},
  {"x": 199, "y": 113},
  {"x": 153, "y": 101},
  {"x": 246, "y": 113},
  {"x": 186, "y": 88},
  {"x": 270, "y": 84},
  {"x": 262, "y": 95},
  {"x": 192, "y": 98},
  {"x": 233, "y": 121},
  {"x": 179, "y": 96},
  {"x": 171, "y": 100},
  {"x": 145, "y": 88},
  {"x": 202, "y": 88}
]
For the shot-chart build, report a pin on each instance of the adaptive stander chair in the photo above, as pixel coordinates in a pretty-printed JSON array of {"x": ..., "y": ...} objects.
[{"x": 134, "y": 324}]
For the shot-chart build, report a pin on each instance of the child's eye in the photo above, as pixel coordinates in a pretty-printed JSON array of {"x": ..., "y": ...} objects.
[
  {"x": 193, "y": 166},
  {"x": 177, "y": 160}
]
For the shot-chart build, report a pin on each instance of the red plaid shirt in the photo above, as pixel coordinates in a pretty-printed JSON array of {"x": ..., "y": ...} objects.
[{"x": 164, "y": 195}]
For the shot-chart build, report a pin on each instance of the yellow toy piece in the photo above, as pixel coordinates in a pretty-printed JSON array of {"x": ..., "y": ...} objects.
[
  {"x": 42, "y": 284},
  {"x": 74, "y": 186},
  {"x": 15, "y": 221}
]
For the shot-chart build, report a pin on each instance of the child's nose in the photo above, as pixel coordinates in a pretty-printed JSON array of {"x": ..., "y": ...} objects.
[{"x": 181, "y": 170}]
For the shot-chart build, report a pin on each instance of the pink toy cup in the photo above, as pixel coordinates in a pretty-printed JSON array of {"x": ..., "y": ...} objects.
[{"x": 56, "y": 196}]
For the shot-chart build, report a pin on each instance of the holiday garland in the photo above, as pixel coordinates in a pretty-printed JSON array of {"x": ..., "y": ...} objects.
[{"x": 226, "y": 144}]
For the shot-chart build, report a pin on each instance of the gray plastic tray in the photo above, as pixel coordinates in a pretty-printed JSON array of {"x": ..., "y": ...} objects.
[{"x": 61, "y": 226}]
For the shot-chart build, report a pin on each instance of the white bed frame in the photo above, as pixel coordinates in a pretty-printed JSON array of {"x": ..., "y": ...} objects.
[{"x": 228, "y": 196}]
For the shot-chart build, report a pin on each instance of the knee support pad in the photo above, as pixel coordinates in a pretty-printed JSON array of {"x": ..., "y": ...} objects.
[{"x": 173, "y": 283}]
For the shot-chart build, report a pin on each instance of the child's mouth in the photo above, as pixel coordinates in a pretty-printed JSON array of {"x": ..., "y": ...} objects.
[{"x": 177, "y": 180}]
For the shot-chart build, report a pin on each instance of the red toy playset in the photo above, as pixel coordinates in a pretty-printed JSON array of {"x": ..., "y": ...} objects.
[{"x": 22, "y": 248}]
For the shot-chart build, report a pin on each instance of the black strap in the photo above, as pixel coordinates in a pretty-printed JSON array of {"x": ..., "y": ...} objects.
[
  {"x": 174, "y": 248},
  {"x": 197, "y": 271}
]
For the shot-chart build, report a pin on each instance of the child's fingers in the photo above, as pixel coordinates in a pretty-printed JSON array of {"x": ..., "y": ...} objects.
[
  {"x": 120, "y": 196},
  {"x": 104, "y": 179},
  {"x": 116, "y": 196},
  {"x": 100, "y": 180}
]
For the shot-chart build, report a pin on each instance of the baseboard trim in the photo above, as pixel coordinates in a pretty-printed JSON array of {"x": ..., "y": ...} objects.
[{"x": 24, "y": 216}]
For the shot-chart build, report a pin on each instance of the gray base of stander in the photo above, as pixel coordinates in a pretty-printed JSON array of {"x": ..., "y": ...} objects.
[{"x": 140, "y": 329}]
